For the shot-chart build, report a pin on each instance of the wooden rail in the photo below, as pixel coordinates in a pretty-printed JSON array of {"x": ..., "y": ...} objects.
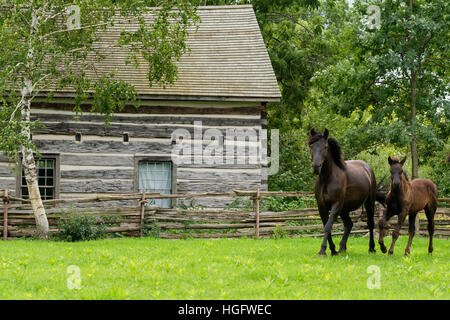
[{"x": 136, "y": 220}]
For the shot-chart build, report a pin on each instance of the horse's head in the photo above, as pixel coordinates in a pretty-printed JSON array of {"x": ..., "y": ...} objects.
[
  {"x": 318, "y": 143},
  {"x": 396, "y": 172}
]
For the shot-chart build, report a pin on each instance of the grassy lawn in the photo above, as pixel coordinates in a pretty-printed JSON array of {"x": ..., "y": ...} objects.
[{"x": 220, "y": 269}]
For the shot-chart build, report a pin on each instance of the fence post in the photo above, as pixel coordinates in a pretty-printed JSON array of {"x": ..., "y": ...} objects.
[
  {"x": 5, "y": 215},
  {"x": 417, "y": 225},
  {"x": 141, "y": 233},
  {"x": 258, "y": 197}
]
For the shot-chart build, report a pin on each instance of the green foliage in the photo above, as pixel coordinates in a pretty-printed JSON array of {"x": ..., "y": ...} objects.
[
  {"x": 438, "y": 170},
  {"x": 81, "y": 227},
  {"x": 40, "y": 54},
  {"x": 398, "y": 72},
  {"x": 278, "y": 204},
  {"x": 151, "y": 228},
  {"x": 190, "y": 206},
  {"x": 279, "y": 232}
]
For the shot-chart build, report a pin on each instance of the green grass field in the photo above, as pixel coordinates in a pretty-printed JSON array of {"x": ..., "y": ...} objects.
[{"x": 219, "y": 269}]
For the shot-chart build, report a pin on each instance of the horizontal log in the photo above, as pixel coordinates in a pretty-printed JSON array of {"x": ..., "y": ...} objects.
[
  {"x": 274, "y": 193},
  {"x": 206, "y": 235},
  {"x": 174, "y": 109},
  {"x": 50, "y": 144},
  {"x": 250, "y": 126},
  {"x": 101, "y": 173},
  {"x": 6, "y": 183},
  {"x": 101, "y": 146},
  {"x": 7, "y": 170},
  {"x": 115, "y": 160},
  {"x": 219, "y": 175},
  {"x": 145, "y": 119},
  {"x": 98, "y": 185},
  {"x": 196, "y": 226}
]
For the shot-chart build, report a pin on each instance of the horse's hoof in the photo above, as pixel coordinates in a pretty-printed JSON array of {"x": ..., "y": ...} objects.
[
  {"x": 383, "y": 249},
  {"x": 390, "y": 253},
  {"x": 406, "y": 254},
  {"x": 372, "y": 251},
  {"x": 322, "y": 254}
]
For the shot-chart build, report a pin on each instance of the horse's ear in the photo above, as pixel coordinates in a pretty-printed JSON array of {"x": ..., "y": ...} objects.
[
  {"x": 326, "y": 133},
  {"x": 390, "y": 160},
  {"x": 312, "y": 132},
  {"x": 402, "y": 162}
]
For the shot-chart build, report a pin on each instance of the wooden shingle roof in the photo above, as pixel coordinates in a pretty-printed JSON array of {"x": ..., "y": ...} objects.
[{"x": 228, "y": 60}]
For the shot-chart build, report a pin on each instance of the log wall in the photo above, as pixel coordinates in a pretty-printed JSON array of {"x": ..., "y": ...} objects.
[{"x": 103, "y": 163}]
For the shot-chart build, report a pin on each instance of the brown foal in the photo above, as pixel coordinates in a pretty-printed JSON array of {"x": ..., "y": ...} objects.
[{"x": 407, "y": 198}]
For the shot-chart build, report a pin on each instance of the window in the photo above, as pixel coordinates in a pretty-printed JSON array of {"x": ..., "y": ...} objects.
[
  {"x": 46, "y": 172},
  {"x": 156, "y": 177}
]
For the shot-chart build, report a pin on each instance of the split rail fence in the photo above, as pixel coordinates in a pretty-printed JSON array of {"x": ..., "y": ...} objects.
[{"x": 141, "y": 218}]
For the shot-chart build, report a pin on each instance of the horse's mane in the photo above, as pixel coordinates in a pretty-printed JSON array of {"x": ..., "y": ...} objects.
[{"x": 336, "y": 153}]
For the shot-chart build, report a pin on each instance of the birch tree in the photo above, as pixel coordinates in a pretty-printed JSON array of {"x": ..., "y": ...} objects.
[{"x": 44, "y": 46}]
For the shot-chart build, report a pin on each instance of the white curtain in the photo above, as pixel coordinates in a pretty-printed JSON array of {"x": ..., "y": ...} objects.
[{"x": 156, "y": 177}]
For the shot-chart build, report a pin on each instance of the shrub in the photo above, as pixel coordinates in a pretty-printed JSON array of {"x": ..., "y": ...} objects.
[
  {"x": 279, "y": 232},
  {"x": 81, "y": 227}
]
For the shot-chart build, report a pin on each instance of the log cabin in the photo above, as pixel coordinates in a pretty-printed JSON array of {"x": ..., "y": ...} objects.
[{"x": 204, "y": 133}]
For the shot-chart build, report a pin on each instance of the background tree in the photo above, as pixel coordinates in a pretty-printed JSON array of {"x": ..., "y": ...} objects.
[
  {"x": 398, "y": 72},
  {"x": 45, "y": 47}
]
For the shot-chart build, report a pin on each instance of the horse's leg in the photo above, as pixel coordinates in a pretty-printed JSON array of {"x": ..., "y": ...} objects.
[
  {"x": 327, "y": 231},
  {"x": 324, "y": 215},
  {"x": 381, "y": 229},
  {"x": 370, "y": 209},
  {"x": 430, "y": 210},
  {"x": 411, "y": 231},
  {"x": 348, "y": 224},
  {"x": 396, "y": 232}
]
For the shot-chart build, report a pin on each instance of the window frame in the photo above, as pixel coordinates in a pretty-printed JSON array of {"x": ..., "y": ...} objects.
[
  {"x": 57, "y": 177},
  {"x": 138, "y": 159}
]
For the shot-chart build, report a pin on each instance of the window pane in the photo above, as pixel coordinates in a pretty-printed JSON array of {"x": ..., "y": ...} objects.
[
  {"x": 46, "y": 180},
  {"x": 156, "y": 177},
  {"x": 41, "y": 172},
  {"x": 49, "y": 182},
  {"x": 49, "y": 173}
]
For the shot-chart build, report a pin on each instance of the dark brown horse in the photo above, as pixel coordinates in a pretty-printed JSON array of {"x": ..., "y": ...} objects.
[
  {"x": 341, "y": 187},
  {"x": 407, "y": 198}
]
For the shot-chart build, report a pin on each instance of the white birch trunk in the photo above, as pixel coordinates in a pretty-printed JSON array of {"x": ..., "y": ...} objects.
[
  {"x": 28, "y": 161},
  {"x": 30, "y": 172}
]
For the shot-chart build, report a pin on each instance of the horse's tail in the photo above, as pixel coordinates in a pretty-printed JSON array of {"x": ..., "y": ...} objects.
[
  {"x": 380, "y": 196},
  {"x": 381, "y": 193}
]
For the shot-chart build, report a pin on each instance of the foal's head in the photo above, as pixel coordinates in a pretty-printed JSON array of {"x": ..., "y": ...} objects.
[{"x": 397, "y": 172}]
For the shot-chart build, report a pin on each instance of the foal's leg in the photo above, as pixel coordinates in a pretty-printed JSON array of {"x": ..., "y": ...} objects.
[
  {"x": 396, "y": 232},
  {"x": 381, "y": 229},
  {"x": 412, "y": 230},
  {"x": 370, "y": 209},
  {"x": 348, "y": 224},
  {"x": 430, "y": 211}
]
